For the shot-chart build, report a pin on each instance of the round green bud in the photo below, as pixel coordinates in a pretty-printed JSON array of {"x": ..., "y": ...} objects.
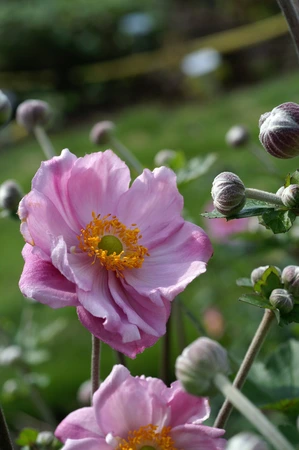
[
  {"x": 282, "y": 300},
  {"x": 228, "y": 193},
  {"x": 197, "y": 366}
]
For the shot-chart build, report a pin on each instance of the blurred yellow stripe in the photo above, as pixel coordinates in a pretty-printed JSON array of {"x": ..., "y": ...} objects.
[{"x": 142, "y": 63}]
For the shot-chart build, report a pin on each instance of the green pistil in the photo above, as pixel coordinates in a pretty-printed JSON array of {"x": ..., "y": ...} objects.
[
  {"x": 113, "y": 245},
  {"x": 147, "y": 447}
]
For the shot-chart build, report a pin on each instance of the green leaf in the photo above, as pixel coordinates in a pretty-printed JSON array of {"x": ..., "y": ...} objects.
[
  {"x": 287, "y": 181},
  {"x": 178, "y": 161},
  {"x": 250, "y": 211},
  {"x": 195, "y": 168},
  {"x": 287, "y": 405},
  {"x": 292, "y": 316},
  {"x": 256, "y": 300},
  {"x": 27, "y": 437},
  {"x": 245, "y": 282},
  {"x": 295, "y": 177},
  {"x": 269, "y": 280},
  {"x": 279, "y": 221}
]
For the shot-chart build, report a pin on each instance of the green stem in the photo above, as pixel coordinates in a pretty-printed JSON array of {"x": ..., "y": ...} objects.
[
  {"x": 126, "y": 154},
  {"x": 165, "y": 355},
  {"x": 121, "y": 359},
  {"x": 252, "y": 413},
  {"x": 95, "y": 364},
  {"x": 250, "y": 356},
  {"x": 264, "y": 196},
  {"x": 5, "y": 441},
  {"x": 290, "y": 9},
  {"x": 44, "y": 142}
]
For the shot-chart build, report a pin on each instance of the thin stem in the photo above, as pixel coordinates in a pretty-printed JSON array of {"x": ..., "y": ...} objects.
[
  {"x": 263, "y": 196},
  {"x": 250, "y": 356},
  {"x": 252, "y": 413},
  {"x": 165, "y": 355},
  {"x": 290, "y": 9},
  {"x": 264, "y": 159},
  {"x": 44, "y": 142},
  {"x": 126, "y": 154},
  {"x": 95, "y": 364},
  {"x": 6, "y": 443},
  {"x": 179, "y": 324},
  {"x": 121, "y": 359}
]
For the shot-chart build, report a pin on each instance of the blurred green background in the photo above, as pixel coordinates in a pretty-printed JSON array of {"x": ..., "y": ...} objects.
[{"x": 164, "y": 109}]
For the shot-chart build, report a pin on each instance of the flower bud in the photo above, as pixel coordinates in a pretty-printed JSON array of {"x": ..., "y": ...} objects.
[
  {"x": 237, "y": 136},
  {"x": 101, "y": 131},
  {"x": 199, "y": 363},
  {"x": 10, "y": 195},
  {"x": 45, "y": 438},
  {"x": 5, "y": 108},
  {"x": 290, "y": 279},
  {"x": 246, "y": 441},
  {"x": 290, "y": 196},
  {"x": 257, "y": 273},
  {"x": 164, "y": 157},
  {"x": 282, "y": 300},
  {"x": 280, "y": 191},
  {"x": 279, "y": 131},
  {"x": 228, "y": 193},
  {"x": 33, "y": 113},
  {"x": 84, "y": 393}
]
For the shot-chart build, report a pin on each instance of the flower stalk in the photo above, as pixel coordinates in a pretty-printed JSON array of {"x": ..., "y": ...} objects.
[
  {"x": 95, "y": 364},
  {"x": 264, "y": 196},
  {"x": 126, "y": 154},
  {"x": 252, "y": 413},
  {"x": 44, "y": 141},
  {"x": 249, "y": 358},
  {"x": 290, "y": 9},
  {"x": 6, "y": 443}
]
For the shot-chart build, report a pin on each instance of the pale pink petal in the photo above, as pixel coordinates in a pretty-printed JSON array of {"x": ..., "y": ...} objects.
[
  {"x": 173, "y": 264},
  {"x": 43, "y": 282},
  {"x": 186, "y": 408},
  {"x": 154, "y": 204},
  {"x": 195, "y": 437},
  {"x": 96, "y": 326},
  {"x": 45, "y": 222},
  {"x": 52, "y": 180},
  {"x": 96, "y": 183},
  {"x": 78, "y": 425},
  {"x": 86, "y": 444},
  {"x": 126, "y": 405}
]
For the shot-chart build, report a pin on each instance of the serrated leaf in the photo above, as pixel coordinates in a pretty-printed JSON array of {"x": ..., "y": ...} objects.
[
  {"x": 27, "y": 437},
  {"x": 268, "y": 281},
  {"x": 287, "y": 181},
  {"x": 245, "y": 282},
  {"x": 256, "y": 300},
  {"x": 195, "y": 168},
  {"x": 279, "y": 221}
]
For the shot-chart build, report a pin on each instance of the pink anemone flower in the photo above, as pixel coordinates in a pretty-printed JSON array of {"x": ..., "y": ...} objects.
[
  {"x": 140, "y": 414},
  {"x": 118, "y": 253}
]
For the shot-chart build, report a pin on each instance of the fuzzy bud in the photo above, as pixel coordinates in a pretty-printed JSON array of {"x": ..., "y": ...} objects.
[
  {"x": 237, "y": 136},
  {"x": 279, "y": 131},
  {"x": 246, "y": 441},
  {"x": 290, "y": 279},
  {"x": 101, "y": 131},
  {"x": 257, "y": 273},
  {"x": 282, "y": 300},
  {"x": 290, "y": 196},
  {"x": 33, "y": 113},
  {"x": 10, "y": 195},
  {"x": 45, "y": 438},
  {"x": 228, "y": 193},
  {"x": 280, "y": 191},
  {"x": 5, "y": 109},
  {"x": 164, "y": 157},
  {"x": 199, "y": 363}
]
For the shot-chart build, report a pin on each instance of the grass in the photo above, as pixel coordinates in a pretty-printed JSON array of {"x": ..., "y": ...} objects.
[{"x": 197, "y": 129}]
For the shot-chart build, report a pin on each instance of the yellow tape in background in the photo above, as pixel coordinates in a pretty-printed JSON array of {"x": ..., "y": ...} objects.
[{"x": 143, "y": 63}]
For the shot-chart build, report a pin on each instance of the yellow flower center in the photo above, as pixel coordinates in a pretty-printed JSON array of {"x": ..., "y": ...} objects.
[
  {"x": 112, "y": 243},
  {"x": 147, "y": 438}
]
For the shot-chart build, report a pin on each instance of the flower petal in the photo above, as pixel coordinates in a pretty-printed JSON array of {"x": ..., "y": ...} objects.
[
  {"x": 194, "y": 437},
  {"x": 43, "y": 282},
  {"x": 44, "y": 222},
  {"x": 115, "y": 339},
  {"x": 154, "y": 203},
  {"x": 51, "y": 179},
  {"x": 97, "y": 181},
  {"x": 86, "y": 444},
  {"x": 124, "y": 404},
  {"x": 173, "y": 264},
  {"x": 79, "y": 424}
]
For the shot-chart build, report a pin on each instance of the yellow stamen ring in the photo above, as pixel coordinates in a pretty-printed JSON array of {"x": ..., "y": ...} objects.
[
  {"x": 147, "y": 438},
  {"x": 112, "y": 243}
]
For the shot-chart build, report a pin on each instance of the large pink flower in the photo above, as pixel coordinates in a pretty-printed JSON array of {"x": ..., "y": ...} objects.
[
  {"x": 119, "y": 254},
  {"x": 140, "y": 414}
]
